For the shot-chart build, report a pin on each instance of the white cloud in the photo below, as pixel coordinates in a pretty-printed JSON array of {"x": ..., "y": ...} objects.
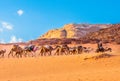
[
  {"x": 20, "y": 12},
  {"x": 14, "y": 39},
  {"x": 7, "y": 25}
]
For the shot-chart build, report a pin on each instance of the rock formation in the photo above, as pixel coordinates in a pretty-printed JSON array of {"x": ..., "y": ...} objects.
[{"x": 74, "y": 30}]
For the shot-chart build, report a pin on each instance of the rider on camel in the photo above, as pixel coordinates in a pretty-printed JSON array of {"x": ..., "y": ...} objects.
[{"x": 100, "y": 47}]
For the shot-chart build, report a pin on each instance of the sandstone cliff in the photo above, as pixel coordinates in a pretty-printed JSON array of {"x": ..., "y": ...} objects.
[
  {"x": 111, "y": 34},
  {"x": 74, "y": 30}
]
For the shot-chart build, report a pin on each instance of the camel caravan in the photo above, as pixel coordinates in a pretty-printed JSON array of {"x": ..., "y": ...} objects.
[{"x": 50, "y": 50}]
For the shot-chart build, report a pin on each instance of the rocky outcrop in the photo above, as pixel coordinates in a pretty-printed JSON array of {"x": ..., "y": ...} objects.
[
  {"x": 111, "y": 34},
  {"x": 106, "y": 33},
  {"x": 74, "y": 30}
]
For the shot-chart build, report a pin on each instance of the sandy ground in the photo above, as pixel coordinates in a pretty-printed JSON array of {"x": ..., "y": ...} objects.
[{"x": 61, "y": 68}]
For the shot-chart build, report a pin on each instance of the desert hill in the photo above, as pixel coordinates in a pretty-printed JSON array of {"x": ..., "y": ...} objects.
[
  {"x": 111, "y": 34},
  {"x": 81, "y": 33},
  {"x": 74, "y": 30}
]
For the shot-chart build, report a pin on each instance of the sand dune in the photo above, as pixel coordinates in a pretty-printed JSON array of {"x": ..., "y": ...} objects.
[{"x": 61, "y": 68}]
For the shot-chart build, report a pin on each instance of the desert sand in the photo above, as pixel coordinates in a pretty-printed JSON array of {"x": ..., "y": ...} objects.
[{"x": 61, "y": 68}]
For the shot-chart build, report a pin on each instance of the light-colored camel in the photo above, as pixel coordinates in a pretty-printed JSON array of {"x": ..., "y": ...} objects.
[
  {"x": 76, "y": 49},
  {"x": 87, "y": 49}
]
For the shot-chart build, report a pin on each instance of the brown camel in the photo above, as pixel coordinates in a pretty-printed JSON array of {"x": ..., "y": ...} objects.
[
  {"x": 79, "y": 49},
  {"x": 18, "y": 51},
  {"x": 30, "y": 50},
  {"x": 104, "y": 50},
  {"x": 2, "y": 52},
  {"x": 45, "y": 50},
  {"x": 72, "y": 50},
  {"x": 62, "y": 49},
  {"x": 108, "y": 49}
]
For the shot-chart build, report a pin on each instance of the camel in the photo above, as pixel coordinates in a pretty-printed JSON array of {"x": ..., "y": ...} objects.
[
  {"x": 46, "y": 50},
  {"x": 79, "y": 49},
  {"x": 60, "y": 50},
  {"x": 87, "y": 49},
  {"x": 103, "y": 50},
  {"x": 108, "y": 49},
  {"x": 31, "y": 49},
  {"x": 18, "y": 51},
  {"x": 72, "y": 50},
  {"x": 2, "y": 52}
]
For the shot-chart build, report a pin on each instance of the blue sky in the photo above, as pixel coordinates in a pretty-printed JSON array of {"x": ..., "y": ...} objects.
[{"x": 24, "y": 20}]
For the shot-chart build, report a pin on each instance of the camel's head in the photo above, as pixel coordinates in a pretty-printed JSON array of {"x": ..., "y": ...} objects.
[
  {"x": 15, "y": 45},
  {"x": 4, "y": 50}
]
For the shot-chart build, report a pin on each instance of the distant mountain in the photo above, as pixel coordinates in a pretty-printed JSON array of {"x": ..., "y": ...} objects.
[
  {"x": 111, "y": 34},
  {"x": 92, "y": 33},
  {"x": 74, "y": 30}
]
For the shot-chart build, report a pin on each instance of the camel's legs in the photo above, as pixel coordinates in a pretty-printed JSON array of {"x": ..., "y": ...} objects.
[
  {"x": 10, "y": 53},
  {"x": 2, "y": 55},
  {"x": 33, "y": 54}
]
